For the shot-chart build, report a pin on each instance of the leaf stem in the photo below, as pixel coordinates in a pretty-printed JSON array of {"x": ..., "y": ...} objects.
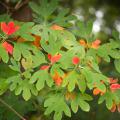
[{"x": 13, "y": 110}]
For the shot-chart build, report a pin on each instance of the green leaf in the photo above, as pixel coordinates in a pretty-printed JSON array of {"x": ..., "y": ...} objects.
[
  {"x": 54, "y": 45},
  {"x": 41, "y": 77},
  {"x": 57, "y": 103},
  {"x": 14, "y": 81},
  {"x": 101, "y": 86},
  {"x": 3, "y": 54},
  {"x": 117, "y": 64},
  {"x": 82, "y": 84},
  {"x": 84, "y": 30},
  {"x": 42, "y": 31},
  {"x": 103, "y": 51},
  {"x": 24, "y": 50},
  {"x": 80, "y": 101},
  {"x": 38, "y": 58},
  {"x": 115, "y": 54},
  {"x": 63, "y": 18},
  {"x": 40, "y": 9},
  {"x": 58, "y": 116},
  {"x": 26, "y": 94},
  {"x": 108, "y": 49},
  {"x": 68, "y": 39},
  {"x": 73, "y": 79},
  {"x": 56, "y": 67},
  {"x": 27, "y": 63},
  {"x": 25, "y": 31},
  {"x": 84, "y": 105},
  {"x": 95, "y": 78},
  {"x": 91, "y": 59},
  {"x": 21, "y": 86},
  {"x": 101, "y": 99},
  {"x": 108, "y": 97},
  {"x": 15, "y": 65},
  {"x": 74, "y": 106},
  {"x": 109, "y": 102},
  {"x": 3, "y": 86},
  {"x": 66, "y": 59}
]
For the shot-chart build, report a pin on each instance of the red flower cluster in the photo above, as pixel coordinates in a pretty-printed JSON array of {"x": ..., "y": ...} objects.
[{"x": 9, "y": 28}]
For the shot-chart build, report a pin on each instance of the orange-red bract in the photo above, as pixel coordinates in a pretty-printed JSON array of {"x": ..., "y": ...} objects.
[
  {"x": 56, "y": 27},
  {"x": 115, "y": 86},
  {"x": 37, "y": 41},
  {"x": 112, "y": 80},
  {"x": 75, "y": 60},
  {"x": 70, "y": 96},
  {"x": 96, "y": 91},
  {"x": 54, "y": 58},
  {"x": 44, "y": 67},
  {"x": 8, "y": 47},
  {"x": 9, "y": 28},
  {"x": 83, "y": 43},
  {"x": 96, "y": 44},
  {"x": 57, "y": 79}
]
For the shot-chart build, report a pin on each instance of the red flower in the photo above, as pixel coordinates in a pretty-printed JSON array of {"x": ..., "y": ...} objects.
[
  {"x": 8, "y": 47},
  {"x": 54, "y": 58},
  {"x": 10, "y": 28},
  {"x": 96, "y": 44},
  {"x": 44, "y": 67},
  {"x": 114, "y": 86},
  {"x": 75, "y": 60}
]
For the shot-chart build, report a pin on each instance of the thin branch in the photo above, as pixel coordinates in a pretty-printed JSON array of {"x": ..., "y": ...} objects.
[
  {"x": 13, "y": 110},
  {"x": 20, "y": 4},
  {"x": 7, "y": 1},
  {"x": 3, "y": 4}
]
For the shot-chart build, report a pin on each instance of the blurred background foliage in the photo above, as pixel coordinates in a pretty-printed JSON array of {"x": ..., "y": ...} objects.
[{"x": 106, "y": 17}]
